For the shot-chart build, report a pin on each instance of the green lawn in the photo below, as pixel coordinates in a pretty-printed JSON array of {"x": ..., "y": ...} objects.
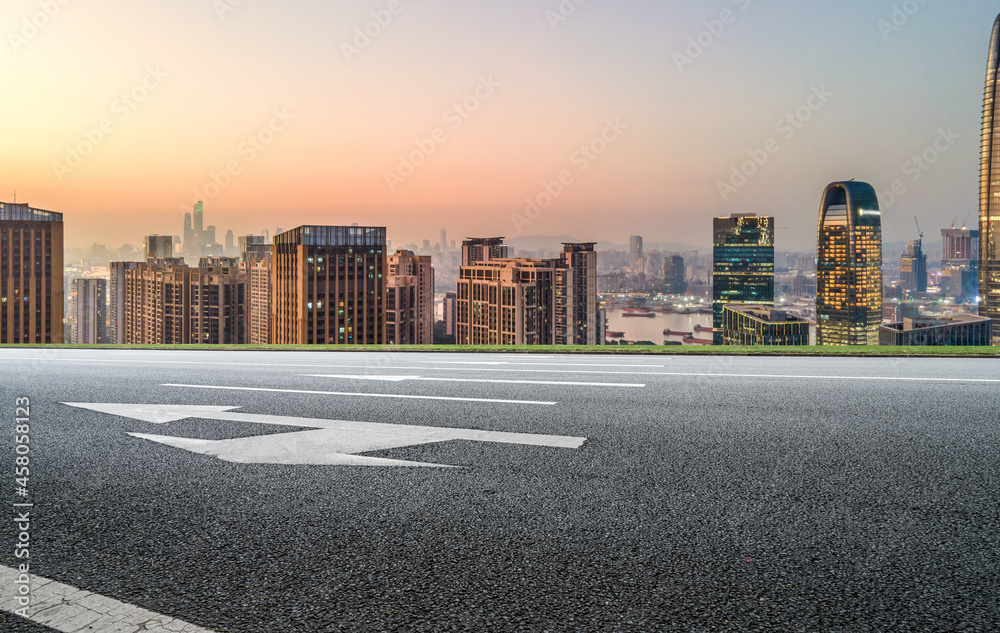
[{"x": 676, "y": 350}]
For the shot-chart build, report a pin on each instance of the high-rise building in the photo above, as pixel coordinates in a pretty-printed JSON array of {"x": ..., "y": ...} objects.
[
  {"x": 410, "y": 299},
  {"x": 158, "y": 247},
  {"x": 849, "y": 266},
  {"x": 529, "y": 301},
  {"x": 743, "y": 272},
  {"x": 259, "y": 308},
  {"x": 88, "y": 311},
  {"x": 170, "y": 303},
  {"x": 199, "y": 218},
  {"x": 913, "y": 267},
  {"x": 674, "y": 275},
  {"x": 189, "y": 239},
  {"x": 254, "y": 247},
  {"x": 329, "y": 286},
  {"x": 450, "y": 313},
  {"x": 989, "y": 192},
  {"x": 116, "y": 328},
  {"x": 483, "y": 249},
  {"x": 444, "y": 240},
  {"x": 31, "y": 275},
  {"x": 636, "y": 254},
  {"x": 576, "y": 296},
  {"x": 230, "y": 246},
  {"x": 960, "y": 263}
]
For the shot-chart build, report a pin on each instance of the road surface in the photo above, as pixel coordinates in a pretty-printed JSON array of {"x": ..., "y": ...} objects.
[{"x": 290, "y": 492}]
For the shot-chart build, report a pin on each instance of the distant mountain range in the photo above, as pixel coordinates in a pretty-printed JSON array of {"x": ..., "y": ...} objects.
[{"x": 555, "y": 242}]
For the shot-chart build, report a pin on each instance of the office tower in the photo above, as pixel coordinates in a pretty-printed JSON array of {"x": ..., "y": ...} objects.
[
  {"x": 199, "y": 218},
  {"x": 674, "y": 275},
  {"x": 254, "y": 247},
  {"x": 636, "y": 254},
  {"x": 528, "y": 301},
  {"x": 259, "y": 309},
  {"x": 450, "y": 313},
  {"x": 576, "y": 295},
  {"x": 189, "y": 236},
  {"x": 849, "y": 266},
  {"x": 410, "y": 304},
  {"x": 444, "y": 240},
  {"x": 913, "y": 267},
  {"x": 743, "y": 271},
  {"x": 88, "y": 311},
  {"x": 963, "y": 331},
  {"x": 989, "y": 192},
  {"x": 230, "y": 246},
  {"x": 116, "y": 329},
  {"x": 31, "y": 275},
  {"x": 329, "y": 286},
  {"x": 483, "y": 249},
  {"x": 168, "y": 302},
  {"x": 755, "y": 325},
  {"x": 158, "y": 247}
]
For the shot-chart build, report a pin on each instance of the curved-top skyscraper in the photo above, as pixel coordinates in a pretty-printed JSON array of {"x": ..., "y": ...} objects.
[
  {"x": 989, "y": 192},
  {"x": 849, "y": 266}
]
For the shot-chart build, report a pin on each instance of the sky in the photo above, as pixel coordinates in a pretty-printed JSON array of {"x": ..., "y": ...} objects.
[{"x": 594, "y": 118}]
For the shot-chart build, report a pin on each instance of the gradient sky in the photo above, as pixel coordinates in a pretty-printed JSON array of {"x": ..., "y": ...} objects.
[{"x": 686, "y": 129}]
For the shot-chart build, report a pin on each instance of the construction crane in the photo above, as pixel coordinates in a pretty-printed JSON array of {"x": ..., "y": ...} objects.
[
  {"x": 919, "y": 230},
  {"x": 965, "y": 224}
]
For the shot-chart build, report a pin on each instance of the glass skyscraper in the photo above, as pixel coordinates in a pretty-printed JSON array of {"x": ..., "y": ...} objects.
[
  {"x": 743, "y": 265},
  {"x": 849, "y": 266},
  {"x": 989, "y": 192}
]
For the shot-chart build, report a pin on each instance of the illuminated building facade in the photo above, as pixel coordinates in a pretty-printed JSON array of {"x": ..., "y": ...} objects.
[
  {"x": 913, "y": 267},
  {"x": 849, "y": 266},
  {"x": 762, "y": 325},
  {"x": 744, "y": 264},
  {"x": 989, "y": 192}
]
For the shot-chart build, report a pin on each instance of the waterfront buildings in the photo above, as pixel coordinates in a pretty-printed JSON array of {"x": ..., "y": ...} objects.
[
  {"x": 849, "y": 266},
  {"x": 410, "y": 299},
  {"x": 674, "y": 275},
  {"x": 529, "y": 301},
  {"x": 31, "y": 275},
  {"x": 88, "y": 311},
  {"x": 329, "y": 286},
  {"x": 989, "y": 192},
  {"x": 964, "y": 330},
  {"x": 743, "y": 264},
  {"x": 762, "y": 325}
]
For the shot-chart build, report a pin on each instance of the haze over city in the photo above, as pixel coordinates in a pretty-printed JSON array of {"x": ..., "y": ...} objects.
[{"x": 280, "y": 115}]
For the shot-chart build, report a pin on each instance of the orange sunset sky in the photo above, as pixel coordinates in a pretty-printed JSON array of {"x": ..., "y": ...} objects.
[{"x": 183, "y": 89}]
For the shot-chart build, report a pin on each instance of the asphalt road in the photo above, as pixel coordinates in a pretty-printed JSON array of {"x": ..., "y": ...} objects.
[{"x": 726, "y": 494}]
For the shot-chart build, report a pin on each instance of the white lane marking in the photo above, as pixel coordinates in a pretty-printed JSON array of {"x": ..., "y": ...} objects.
[
  {"x": 486, "y": 380},
  {"x": 361, "y": 395},
  {"x": 538, "y": 371},
  {"x": 507, "y": 362},
  {"x": 68, "y": 609},
  {"x": 325, "y": 443}
]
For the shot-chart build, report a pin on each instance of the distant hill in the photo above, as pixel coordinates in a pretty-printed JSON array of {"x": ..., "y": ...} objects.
[{"x": 555, "y": 242}]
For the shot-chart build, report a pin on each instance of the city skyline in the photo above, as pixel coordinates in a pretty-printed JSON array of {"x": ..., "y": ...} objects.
[{"x": 675, "y": 97}]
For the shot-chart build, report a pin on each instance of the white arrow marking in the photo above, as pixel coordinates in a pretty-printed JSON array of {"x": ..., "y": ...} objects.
[
  {"x": 326, "y": 443},
  {"x": 504, "y": 382},
  {"x": 362, "y": 395}
]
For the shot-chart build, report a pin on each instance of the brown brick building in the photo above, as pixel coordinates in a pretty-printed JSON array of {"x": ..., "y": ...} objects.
[{"x": 31, "y": 275}]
